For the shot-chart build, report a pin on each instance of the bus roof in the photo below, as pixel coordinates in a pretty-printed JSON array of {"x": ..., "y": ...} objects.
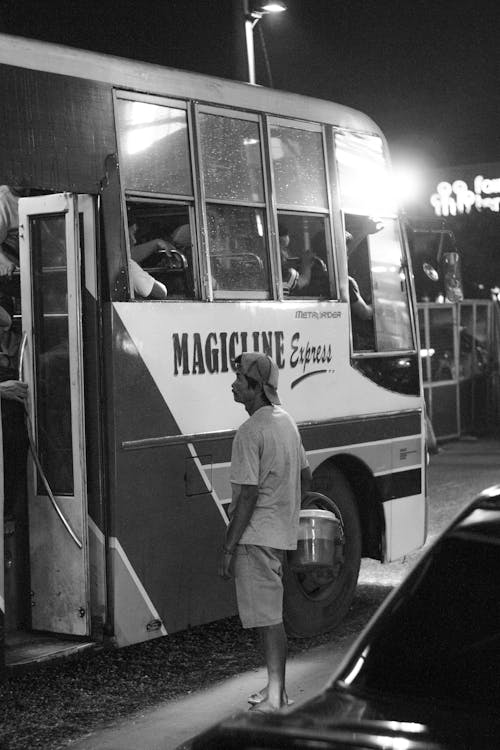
[{"x": 156, "y": 79}]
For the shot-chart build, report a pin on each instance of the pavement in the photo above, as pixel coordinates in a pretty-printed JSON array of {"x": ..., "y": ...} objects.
[
  {"x": 460, "y": 470},
  {"x": 174, "y": 722}
]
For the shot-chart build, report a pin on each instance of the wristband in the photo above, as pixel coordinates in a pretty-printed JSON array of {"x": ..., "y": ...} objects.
[{"x": 227, "y": 551}]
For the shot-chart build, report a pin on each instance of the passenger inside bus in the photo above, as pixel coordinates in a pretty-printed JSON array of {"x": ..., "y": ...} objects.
[
  {"x": 160, "y": 245},
  {"x": 14, "y": 394},
  {"x": 357, "y": 230},
  {"x": 294, "y": 278},
  {"x": 304, "y": 270},
  {"x": 145, "y": 285},
  {"x": 9, "y": 237}
]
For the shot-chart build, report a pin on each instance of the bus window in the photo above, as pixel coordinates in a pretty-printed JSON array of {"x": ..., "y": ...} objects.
[
  {"x": 303, "y": 255},
  {"x": 160, "y": 242},
  {"x": 300, "y": 184},
  {"x": 235, "y": 205},
  {"x": 53, "y": 398},
  {"x": 154, "y": 148},
  {"x": 378, "y": 283}
]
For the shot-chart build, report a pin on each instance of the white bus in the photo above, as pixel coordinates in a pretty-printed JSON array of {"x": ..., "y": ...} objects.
[{"x": 131, "y": 415}]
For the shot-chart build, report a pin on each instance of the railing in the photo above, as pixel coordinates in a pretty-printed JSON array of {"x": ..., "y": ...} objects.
[{"x": 460, "y": 361}]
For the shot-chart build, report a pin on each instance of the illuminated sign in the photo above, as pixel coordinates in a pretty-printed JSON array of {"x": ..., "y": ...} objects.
[{"x": 456, "y": 197}]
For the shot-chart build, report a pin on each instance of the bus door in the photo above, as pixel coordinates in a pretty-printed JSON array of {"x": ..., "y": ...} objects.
[{"x": 50, "y": 261}]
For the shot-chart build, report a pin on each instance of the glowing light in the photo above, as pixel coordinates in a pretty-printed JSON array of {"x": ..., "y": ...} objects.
[
  {"x": 148, "y": 124},
  {"x": 407, "y": 182},
  {"x": 452, "y": 198},
  {"x": 357, "y": 668},
  {"x": 427, "y": 352},
  {"x": 367, "y": 185},
  {"x": 274, "y": 7},
  {"x": 400, "y": 743}
]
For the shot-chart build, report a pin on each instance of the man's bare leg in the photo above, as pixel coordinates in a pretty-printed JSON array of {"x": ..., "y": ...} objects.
[{"x": 274, "y": 645}]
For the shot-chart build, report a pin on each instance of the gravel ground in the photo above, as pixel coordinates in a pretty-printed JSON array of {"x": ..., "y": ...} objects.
[{"x": 44, "y": 709}]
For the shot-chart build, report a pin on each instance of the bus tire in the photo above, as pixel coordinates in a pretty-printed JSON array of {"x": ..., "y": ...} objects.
[{"x": 314, "y": 604}]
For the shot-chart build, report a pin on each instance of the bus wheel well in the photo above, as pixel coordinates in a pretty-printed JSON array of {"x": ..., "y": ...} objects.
[{"x": 369, "y": 506}]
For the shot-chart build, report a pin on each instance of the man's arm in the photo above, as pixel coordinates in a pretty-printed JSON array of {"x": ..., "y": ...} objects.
[
  {"x": 242, "y": 514},
  {"x": 305, "y": 481},
  {"x": 140, "y": 252}
]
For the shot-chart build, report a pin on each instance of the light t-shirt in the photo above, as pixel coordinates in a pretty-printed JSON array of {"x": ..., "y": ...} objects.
[
  {"x": 142, "y": 281},
  {"x": 268, "y": 452}
]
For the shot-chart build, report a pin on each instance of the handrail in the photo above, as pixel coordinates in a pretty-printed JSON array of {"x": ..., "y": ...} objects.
[
  {"x": 240, "y": 256},
  {"x": 36, "y": 458}
]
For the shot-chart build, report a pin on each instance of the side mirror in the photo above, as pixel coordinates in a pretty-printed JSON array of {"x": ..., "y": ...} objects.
[{"x": 430, "y": 272}]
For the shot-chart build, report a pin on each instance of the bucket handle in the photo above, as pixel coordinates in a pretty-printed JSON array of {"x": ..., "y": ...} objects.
[{"x": 322, "y": 502}]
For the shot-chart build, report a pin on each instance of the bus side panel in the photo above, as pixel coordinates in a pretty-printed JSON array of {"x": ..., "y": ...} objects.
[
  {"x": 56, "y": 131},
  {"x": 166, "y": 529},
  {"x": 95, "y": 465}
]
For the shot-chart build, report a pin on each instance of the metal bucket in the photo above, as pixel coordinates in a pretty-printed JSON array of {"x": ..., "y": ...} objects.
[{"x": 319, "y": 532}]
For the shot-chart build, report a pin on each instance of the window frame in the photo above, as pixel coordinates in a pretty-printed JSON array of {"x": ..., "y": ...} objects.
[
  {"x": 248, "y": 116},
  {"x": 342, "y": 254},
  {"x": 327, "y": 212}
]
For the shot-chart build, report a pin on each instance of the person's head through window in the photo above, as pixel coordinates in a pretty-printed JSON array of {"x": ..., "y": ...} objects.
[{"x": 284, "y": 240}]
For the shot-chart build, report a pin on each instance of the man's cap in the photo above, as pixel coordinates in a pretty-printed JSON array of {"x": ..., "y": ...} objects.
[{"x": 264, "y": 370}]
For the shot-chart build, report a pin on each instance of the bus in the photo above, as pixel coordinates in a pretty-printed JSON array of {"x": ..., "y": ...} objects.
[{"x": 130, "y": 414}]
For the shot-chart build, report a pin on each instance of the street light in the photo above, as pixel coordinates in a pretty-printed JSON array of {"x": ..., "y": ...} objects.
[{"x": 253, "y": 12}]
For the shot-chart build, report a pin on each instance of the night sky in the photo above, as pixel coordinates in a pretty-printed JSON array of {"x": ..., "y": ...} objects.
[{"x": 426, "y": 72}]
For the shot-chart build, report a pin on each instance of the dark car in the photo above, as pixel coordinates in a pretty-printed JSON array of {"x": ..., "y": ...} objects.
[{"x": 425, "y": 672}]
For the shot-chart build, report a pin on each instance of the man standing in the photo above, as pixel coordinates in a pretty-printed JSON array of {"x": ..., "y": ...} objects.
[{"x": 269, "y": 475}]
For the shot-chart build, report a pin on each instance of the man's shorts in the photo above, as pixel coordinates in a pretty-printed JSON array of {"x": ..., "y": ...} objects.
[{"x": 258, "y": 575}]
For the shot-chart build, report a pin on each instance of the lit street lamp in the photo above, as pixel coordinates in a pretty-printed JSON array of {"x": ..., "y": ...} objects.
[{"x": 253, "y": 12}]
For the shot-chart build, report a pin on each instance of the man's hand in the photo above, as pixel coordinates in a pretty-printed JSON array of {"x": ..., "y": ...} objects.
[
  {"x": 14, "y": 390},
  {"x": 164, "y": 247},
  {"x": 372, "y": 225},
  {"x": 225, "y": 564}
]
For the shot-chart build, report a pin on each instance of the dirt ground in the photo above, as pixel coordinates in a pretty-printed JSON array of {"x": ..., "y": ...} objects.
[{"x": 47, "y": 707}]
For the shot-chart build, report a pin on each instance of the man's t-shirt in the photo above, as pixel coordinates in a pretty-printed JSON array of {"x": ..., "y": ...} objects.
[
  {"x": 268, "y": 452},
  {"x": 142, "y": 281}
]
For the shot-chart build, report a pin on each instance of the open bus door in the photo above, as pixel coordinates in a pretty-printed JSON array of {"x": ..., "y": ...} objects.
[{"x": 50, "y": 248}]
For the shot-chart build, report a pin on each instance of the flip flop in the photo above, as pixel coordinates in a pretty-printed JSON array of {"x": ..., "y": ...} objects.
[{"x": 257, "y": 698}]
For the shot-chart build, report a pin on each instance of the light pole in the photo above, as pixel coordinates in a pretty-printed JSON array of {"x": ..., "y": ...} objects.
[{"x": 253, "y": 12}]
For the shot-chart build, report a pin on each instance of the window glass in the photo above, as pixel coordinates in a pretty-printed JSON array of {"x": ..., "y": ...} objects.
[
  {"x": 480, "y": 341},
  {"x": 53, "y": 394},
  {"x": 378, "y": 289},
  {"x": 466, "y": 354},
  {"x": 160, "y": 244},
  {"x": 442, "y": 641},
  {"x": 237, "y": 248},
  {"x": 231, "y": 155},
  {"x": 303, "y": 255},
  {"x": 299, "y": 168},
  {"x": 154, "y": 150},
  {"x": 442, "y": 343},
  {"x": 365, "y": 180},
  {"x": 425, "y": 352}
]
